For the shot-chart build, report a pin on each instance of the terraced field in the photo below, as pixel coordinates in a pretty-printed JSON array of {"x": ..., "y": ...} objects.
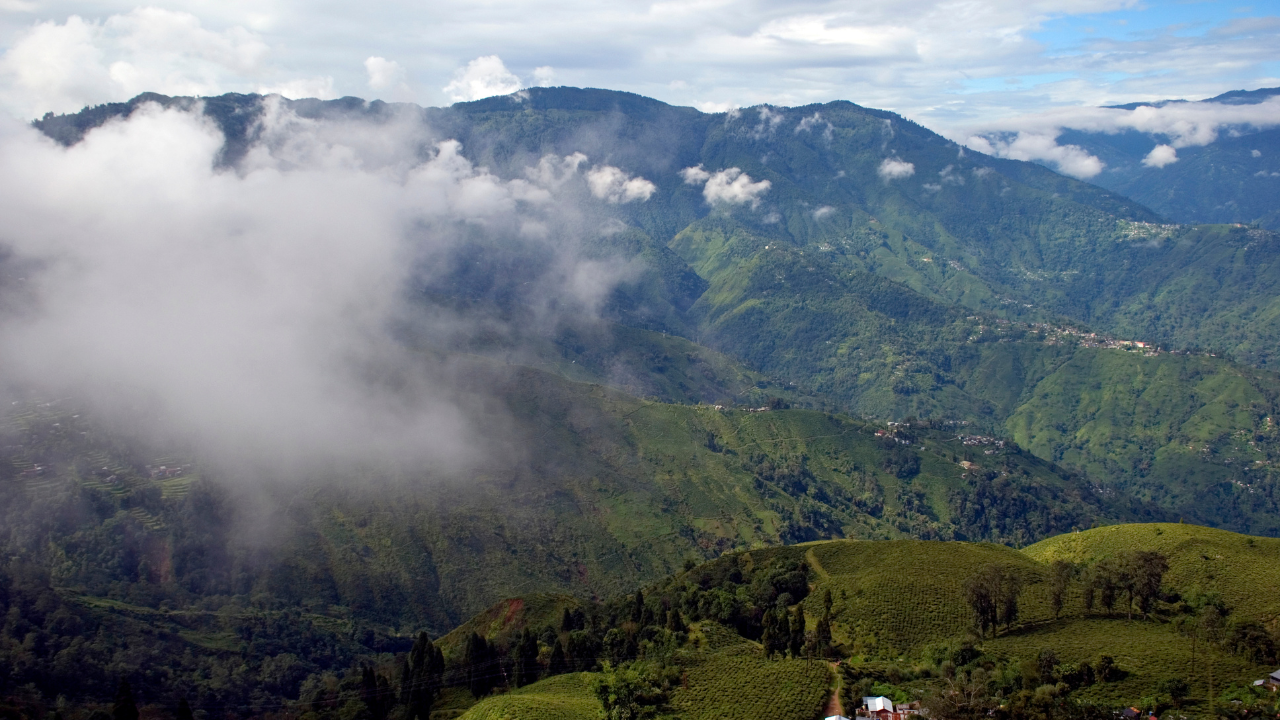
[
  {"x": 739, "y": 684},
  {"x": 564, "y": 697},
  {"x": 895, "y": 595}
]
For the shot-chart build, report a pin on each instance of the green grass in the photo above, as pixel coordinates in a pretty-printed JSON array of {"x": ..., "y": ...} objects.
[{"x": 564, "y": 697}]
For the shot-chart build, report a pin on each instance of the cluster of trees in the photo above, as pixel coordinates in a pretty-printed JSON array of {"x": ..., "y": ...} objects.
[
  {"x": 992, "y": 594},
  {"x": 1135, "y": 576}
]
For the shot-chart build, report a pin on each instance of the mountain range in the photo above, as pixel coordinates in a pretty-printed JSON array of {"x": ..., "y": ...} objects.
[{"x": 839, "y": 325}]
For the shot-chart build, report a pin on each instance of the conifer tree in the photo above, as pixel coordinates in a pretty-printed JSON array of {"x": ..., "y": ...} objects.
[
  {"x": 420, "y": 679},
  {"x": 675, "y": 623},
  {"x": 822, "y": 633},
  {"x": 478, "y": 666},
  {"x": 769, "y": 639},
  {"x": 184, "y": 711},
  {"x": 125, "y": 707},
  {"x": 559, "y": 663},
  {"x": 525, "y": 657},
  {"x": 797, "y": 632}
]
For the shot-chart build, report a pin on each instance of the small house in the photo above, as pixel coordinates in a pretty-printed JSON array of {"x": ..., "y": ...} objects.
[{"x": 878, "y": 704}]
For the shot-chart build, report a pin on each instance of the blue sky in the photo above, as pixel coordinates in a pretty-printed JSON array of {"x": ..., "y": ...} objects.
[{"x": 948, "y": 64}]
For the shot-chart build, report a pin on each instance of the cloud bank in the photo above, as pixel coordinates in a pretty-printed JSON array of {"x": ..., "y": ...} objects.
[
  {"x": 61, "y": 67},
  {"x": 1177, "y": 125},
  {"x": 275, "y": 312}
]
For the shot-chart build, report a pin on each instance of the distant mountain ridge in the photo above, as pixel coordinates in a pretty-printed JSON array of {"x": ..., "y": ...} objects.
[
  {"x": 1234, "y": 179},
  {"x": 955, "y": 287}
]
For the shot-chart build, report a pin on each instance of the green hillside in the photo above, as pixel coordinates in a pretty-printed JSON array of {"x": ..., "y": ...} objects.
[
  {"x": 1234, "y": 566},
  {"x": 903, "y": 626}
]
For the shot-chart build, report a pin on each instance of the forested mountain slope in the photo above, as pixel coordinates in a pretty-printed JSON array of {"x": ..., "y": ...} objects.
[{"x": 885, "y": 271}]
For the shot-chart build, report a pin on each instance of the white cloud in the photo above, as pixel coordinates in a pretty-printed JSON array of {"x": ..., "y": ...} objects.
[
  {"x": 1160, "y": 156},
  {"x": 544, "y": 76},
  {"x": 1070, "y": 159},
  {"x": 280, "y": 282},
  {"x": 483, "y": 77},
  {"x": 728, "y": 187},
  {"x": 383, "y": 73},
  {"x": 715, "y": 107},
  {"x": 1184, "y": 124},
  {"x": 939, "y": 62},
  {"x": 320, "y": 87},
  {"x": 813, "y": 121},
  {"x": 895, "y": 169},
  {"x": 613, "y": 185},
  {"x": 1256, "y": 153},
  {"x": 822, "y": 211},
  {"x": 61, "y": 67},
  {"x": 694, "y": 175}
]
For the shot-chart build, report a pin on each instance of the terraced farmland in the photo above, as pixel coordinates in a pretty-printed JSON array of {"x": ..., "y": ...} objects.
[
  {"x": 564, "y": 697},
  {"x": 739, "y": 684}
]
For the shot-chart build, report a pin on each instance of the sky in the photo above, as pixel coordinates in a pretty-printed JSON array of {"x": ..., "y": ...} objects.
[{"x": 948, "y": 64}]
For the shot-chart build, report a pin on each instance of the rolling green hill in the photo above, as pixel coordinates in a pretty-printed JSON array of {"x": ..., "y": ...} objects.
[
  {"x": 1234, "y": 566},
  {"x": 901, "y": 618}
]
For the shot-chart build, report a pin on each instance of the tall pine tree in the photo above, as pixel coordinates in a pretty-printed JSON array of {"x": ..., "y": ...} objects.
[
  {"x": 124, "y": 707},
  {"x": 420, "y": 679}
]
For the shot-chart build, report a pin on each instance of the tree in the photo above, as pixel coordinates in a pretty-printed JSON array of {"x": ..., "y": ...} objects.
[
  {"x": 478, "y": 664},
  {"x": 1147, "y": 569},
  {"x": 962, "y": 697},
  {"x": 525, "y": 657},
  {"x": 796, "y": 644},
  {"x": 637, "y": 610},
  {"x": 1058, "y": 582},
  {"x": 770, "y": 637},
  {"x": 558, "y": 664},
  {"x": 420, "y": 676},
  {"x": 1103, "y": 580},
  {"x": 675, "y": 623},
  {"x": 979, "y": 592},
  {"x": 1010, "y": 588},
  {"x": 628, "y": 692},
  {"x": 822, "y": 633},
  {"x": 993, "y": 596},
  {"x": 184, "y": 710},
  {"x": 125, "y": 707}
]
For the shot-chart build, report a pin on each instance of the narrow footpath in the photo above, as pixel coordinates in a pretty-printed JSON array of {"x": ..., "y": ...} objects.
[{"x": 834, "y": 706}]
